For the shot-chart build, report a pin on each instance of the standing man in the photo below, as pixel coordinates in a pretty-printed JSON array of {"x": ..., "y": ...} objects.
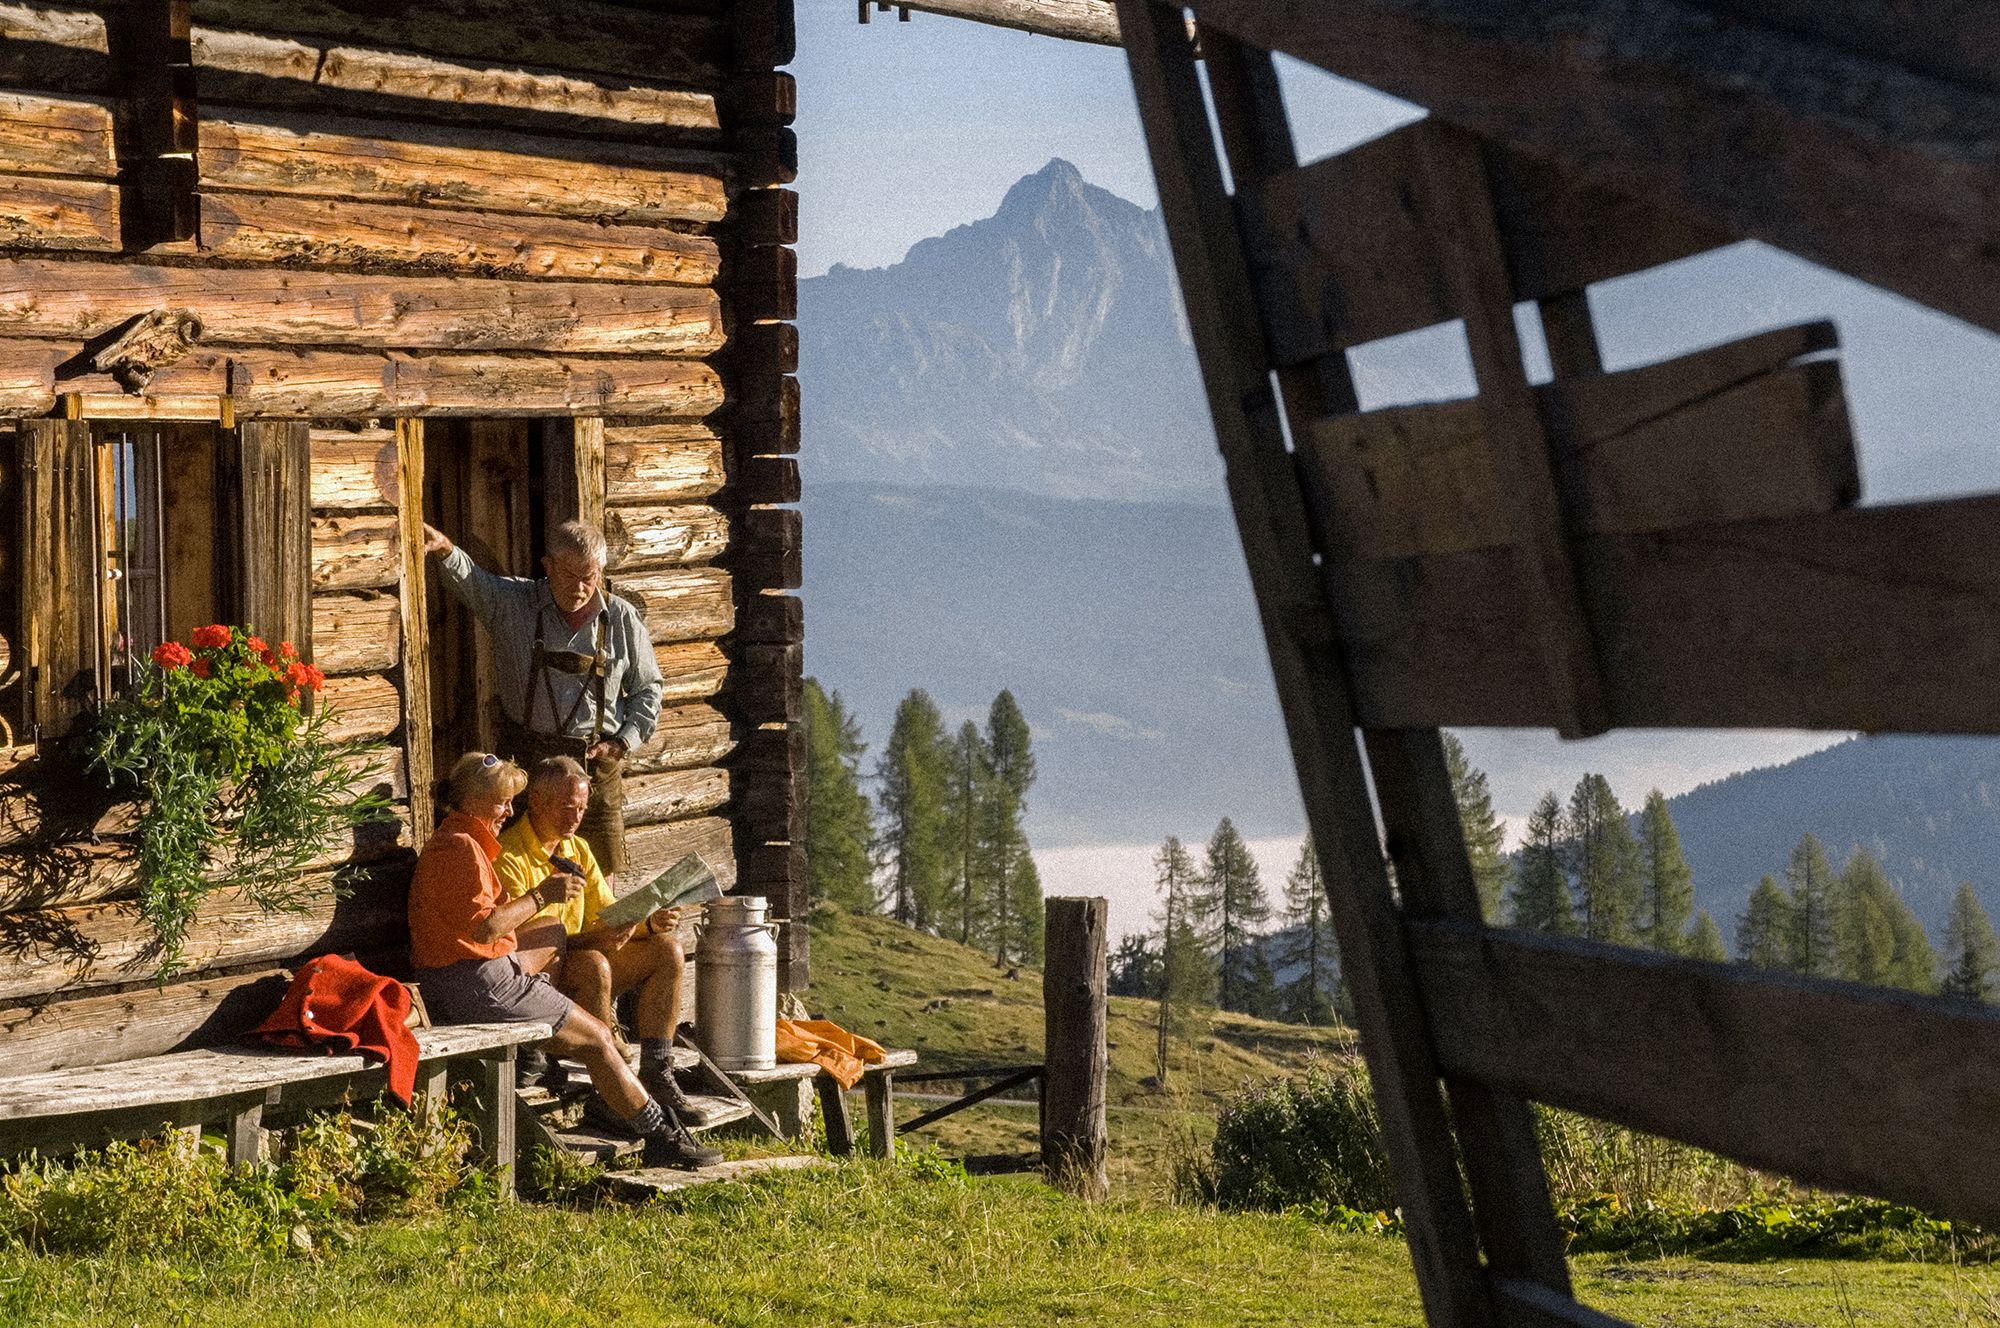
[{"x": 576, "y": 670}]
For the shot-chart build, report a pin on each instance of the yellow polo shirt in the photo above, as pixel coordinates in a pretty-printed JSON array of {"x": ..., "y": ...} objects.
[{"x": 523, "y": 865}]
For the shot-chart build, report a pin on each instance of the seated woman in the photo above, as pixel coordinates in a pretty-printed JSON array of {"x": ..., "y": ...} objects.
[{"x": 462, "y": 946}]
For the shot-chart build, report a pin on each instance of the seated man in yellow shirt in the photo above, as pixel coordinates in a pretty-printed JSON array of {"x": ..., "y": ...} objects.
[{"x": 594, "y": 965}]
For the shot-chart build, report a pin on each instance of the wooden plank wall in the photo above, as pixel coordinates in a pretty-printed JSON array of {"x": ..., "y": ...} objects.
[{"x": 475, "y": 208}]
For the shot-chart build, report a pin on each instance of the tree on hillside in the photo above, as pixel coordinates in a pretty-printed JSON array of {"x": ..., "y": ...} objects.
[
  {"x": 1603, "y": 861},
  {"x": 1308, "y": 998},
  {"x": 1704, "y": 941},
  {"x": 1913, "y": 966},
  {"x": 1970, "y": 947},
  {"x": 1187, "y": 975},
  {"x": 1485, "y": 837},
  {"x": 1540, "y": 898},
  {"x": 1002, "y": 842},
  {"x": 914, "y": 786},
  {"x": 1134, "y": 968},
  {"x": 1666, "y": 886},
  {"x": 965, "y": 800},
  {"x": 1864, "y": 937},
  {"x": 840, "y": 834},
  {"x": 1764, "y": 931},
  {"x": 1240, "y": 908},
  {"x": 1809, "y": 881}
]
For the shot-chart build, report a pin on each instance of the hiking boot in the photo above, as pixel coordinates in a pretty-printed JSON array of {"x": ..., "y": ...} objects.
[
  {"x": 599, "y": 1115},
  {"x": 536, "y": 1068},
  {"x": 675, "y": 1147},
  {"x": 660, "y": 1083}
]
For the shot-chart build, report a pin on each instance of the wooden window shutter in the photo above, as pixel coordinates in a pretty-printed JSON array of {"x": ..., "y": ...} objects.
[
  {"x": 59, "y": 573},
  {"x": 267, "y": 492}
]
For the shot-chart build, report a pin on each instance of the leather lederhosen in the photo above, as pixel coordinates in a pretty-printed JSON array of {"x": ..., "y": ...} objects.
[{"x": 603, "y": 826}]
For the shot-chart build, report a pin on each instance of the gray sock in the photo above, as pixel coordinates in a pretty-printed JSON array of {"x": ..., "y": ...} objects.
[
  {"x": 649, "y": 1119},
  {"x": 656, "y": 1054}
]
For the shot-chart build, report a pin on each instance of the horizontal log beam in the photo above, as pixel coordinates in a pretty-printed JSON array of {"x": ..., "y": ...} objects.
[
  {"x": 496, "y": 171},
  {"x": 682, "y": 603},
  {"x": 687, "y": 737},
  {"x": 770, "y": 618},
  {"x": 1838, "y": 1085},
  {"x": 675, "y": 795},
  {"x": 353, "y": 469},
  {"x": 651, "y": 849},
  {"x": 642, "y": 538},
  {"x": 690, "y": 670},
  {"x": 1897, "y": 187},
  {"x": 765, "y": 418},
  {"x": 769, "y": 683},
  {"x": 266, "y": 306},
  {"x": 57, "y": 136},
  {"x": 365, "y": 706},
  {"x": 1093, "y": 21},
  {"x": 356, "y": 633},
  {"x": 1712, "y": 626},
  {"x": 97, "y": 1030},
  {"x": 661, "y": 463},
  {"x": 334, "y": 232},
  {"x": 38, "y": 212},
  {"x": 354, "y": 552}
]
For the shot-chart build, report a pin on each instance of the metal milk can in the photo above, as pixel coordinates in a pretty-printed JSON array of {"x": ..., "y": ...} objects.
[{"x": 736, "y": 984}]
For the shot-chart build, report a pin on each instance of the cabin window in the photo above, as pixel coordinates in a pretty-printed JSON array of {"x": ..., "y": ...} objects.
[{"x": 131, "y": 607}]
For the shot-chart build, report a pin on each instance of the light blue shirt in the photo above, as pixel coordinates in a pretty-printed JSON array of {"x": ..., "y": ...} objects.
[{"x": 508, "y": 608}]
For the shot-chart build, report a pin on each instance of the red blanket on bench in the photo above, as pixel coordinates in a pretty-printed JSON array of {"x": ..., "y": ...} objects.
[{"x": 336, "y": 1006}]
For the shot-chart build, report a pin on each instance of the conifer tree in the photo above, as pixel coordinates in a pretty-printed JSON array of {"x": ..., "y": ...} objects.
[
  {"x": 965, "y": 800},
  {"x": 1259, "y": 995},
  {"x": 1133, "y": 968},
  {"x": 1485, "y": 836},
  {"x": 1187, "y": 976},
  {"x": 1704, "y": 941},
  {"x": 1308, "y": 998},
  {"x": 915, "y": 783},
  {"x": 839, "y": 831},
  {"x": 1970, "y": 947},
  {"x": 1240, "y": 909},
  {"x": 1764, "y": 931},
  {"x": 1603, "y": 861},
  {"x": 1666, "y": 886},
  {"x": 1864, "y": 937},
  {"x": 1913, "y": 964},
  {"x": 1540, "y": 898},
  {"x": 1002, "y": 841},
  {"x": 1809, "y": 881}
]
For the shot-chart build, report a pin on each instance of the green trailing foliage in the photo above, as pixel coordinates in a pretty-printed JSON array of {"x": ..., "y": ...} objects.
[{"x": 239, "y": 786}]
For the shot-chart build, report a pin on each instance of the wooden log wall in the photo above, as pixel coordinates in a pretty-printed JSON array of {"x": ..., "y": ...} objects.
[{"x": 479, "y": 209}]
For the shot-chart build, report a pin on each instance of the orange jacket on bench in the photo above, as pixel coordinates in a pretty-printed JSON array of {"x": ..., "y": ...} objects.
[
  {"x": 822, "y": 1042},
  {"x": 336, "y": 1006}
]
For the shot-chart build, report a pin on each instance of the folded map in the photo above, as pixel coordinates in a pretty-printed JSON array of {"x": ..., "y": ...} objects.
[{"x": 688, "y": 881}]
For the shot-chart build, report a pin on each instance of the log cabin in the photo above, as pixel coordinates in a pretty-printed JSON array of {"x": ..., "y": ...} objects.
[{"x": 280, "y": 280}]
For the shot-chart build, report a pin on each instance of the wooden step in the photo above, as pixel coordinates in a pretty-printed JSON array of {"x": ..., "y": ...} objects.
[
  {"x": 597, "y": 1145},
  {"x": 666, "y": 1180}
]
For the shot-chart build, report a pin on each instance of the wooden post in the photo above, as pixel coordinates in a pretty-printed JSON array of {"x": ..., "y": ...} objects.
[
  {"x": 833, "y": 1109},
  {"x": 415, "y": 626},
  {"x": 881, "y": 1091},
  {"x": 1073, "y": 1011},
  {"x": 267, "y": 485},
  {"x": 493, "y": 1114}
]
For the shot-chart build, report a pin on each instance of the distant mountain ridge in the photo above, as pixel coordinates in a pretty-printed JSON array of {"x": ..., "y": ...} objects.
[
  {"x": 1929, "y": 808},
  {"x": 1041, "y": 348}
]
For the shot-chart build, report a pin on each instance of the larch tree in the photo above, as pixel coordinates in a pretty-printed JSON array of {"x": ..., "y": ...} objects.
[
  {"x": 840, "y": 834},
  {"x": 1603, "y": 861},
  {"x": 1240, "y": 908},
  {"x": 1864, "y": 935},
  {"x": 1540, "y": 897},
  {"x": 1810, "y": 883},
  {"x": 1666, "y": 886},
  {"x": 1187, "y": 976},
  {"x": 1009, "y": 768},
  {"x": 965, "y": 800},
  {"x": 913, "y": 786},
  {"x": 1308, "y": 998},
  {"x": 1970, "y": 947},
  {"x": 1024, "y": 912},
  {"x": 1485, "y": 836},
  {"x": 1764, "y": 929},
  {"x": 1704, "y": 940}
]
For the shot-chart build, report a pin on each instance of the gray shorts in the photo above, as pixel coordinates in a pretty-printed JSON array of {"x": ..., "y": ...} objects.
[{"x": 492, "y": 991}]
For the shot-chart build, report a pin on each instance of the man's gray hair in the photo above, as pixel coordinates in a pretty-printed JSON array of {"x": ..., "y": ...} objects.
[
  {"x": 580, "y": 539},
  {"x": 556, "y": 770}
]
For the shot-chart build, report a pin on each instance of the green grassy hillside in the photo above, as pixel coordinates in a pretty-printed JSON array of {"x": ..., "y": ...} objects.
[{"x": 908, "y": 989}]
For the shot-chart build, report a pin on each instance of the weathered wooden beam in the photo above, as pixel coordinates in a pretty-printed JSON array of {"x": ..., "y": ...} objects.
[
  {"x": 659, "y": 463},
  {"x": 267, "y": 502},
  {"x": 354, "y": 469},
  {"x": 57, "y": 136},
  {"x": 265, "y": 306},
  {"x": 682, "y": 603},
  {"x": 691, "y": 670},
  {"x": 355, "y": 552},
  {"x": 572, "y": 471},
  {"x": 769, "y": 683},
  {"x": 766, "y": 216},
  {"x": 767, "y": 479},
  {"x": 58, "y": 560},
  {"x": 364, "y": 384},
  {"x": 764, "y": 282},
  {"x": 1073, "y": 998},
  {"x": 652, "y": 848},
  {"x": 675, "y": 795},
  {"x": 356, "y": 633},
  {"x": 1092, "y": 21},
  {"x": 414, "y": 632},
  {"x": 771, "y": 618},
  {"x": 336, "y": 232},
  {"x": 643, "y": 538},
  {"x": 766, "y": 550},
  {"x": 42, "y": 212},
  {"x": 497, "y": 171},
  {"x": 364, "y": 706},
  {"x": 96, "y": 1030},
  {"x": 1657, "y": 101},
  {"x": 765, "y": 416},
  {"x": 688, "y": 737},
  {"x": 1841, "y": 1086}
]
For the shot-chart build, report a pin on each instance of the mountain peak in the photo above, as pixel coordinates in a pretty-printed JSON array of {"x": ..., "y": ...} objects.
[{"x": 1055, "y": 184}]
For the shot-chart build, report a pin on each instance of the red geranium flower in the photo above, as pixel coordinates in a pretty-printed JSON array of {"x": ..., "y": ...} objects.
[
  {"x": 305, "y": 675},
  {"x": 211, "y": 636},
  {"x": 171, "y": 655},
  {"x": 270, "y": 658},
  {"x": 201, "y": 668},
  {"x": 288, "y": 650},
  {"x": 256, "y": 644}
]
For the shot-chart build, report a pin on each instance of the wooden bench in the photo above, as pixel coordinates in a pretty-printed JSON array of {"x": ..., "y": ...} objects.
[
  {"x": 790, "y": 1108},
  {"x": 234, "y": 1086}
]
